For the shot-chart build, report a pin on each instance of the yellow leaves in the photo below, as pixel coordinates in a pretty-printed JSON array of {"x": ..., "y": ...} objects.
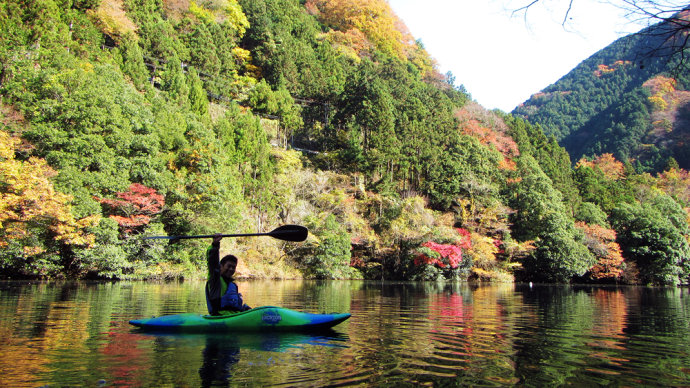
[
  {"x": 289, "y": 161},
  {"x": 236, "y": 17},
  {"x": 517, "y": 250},
  {"x": 464, "y": 210},
  {"x": 221, "y": 11},
  {"x": 676, "y": 183},
  {"x": 28, "y": 199},
  {"x": 351, "y": 44},
  {"x": 87, "y": 67},
  {"x": 32, "y": 251},
  {"x": 244, "y": 59},
  {"x": 71, "y": 232},
  {"x": 201, "y": 13},
  {"x": 661, "y": 85},
  {"x": 494, "y": 276},
  {"x": 374, "y": 18},
  {"x": 112, "y": 18},
  {"x": 242, "y": 55},
  {"x": 483, "y": 251},
  {"x": 658, "y": 102},
  {"x": 7, "y": 145},
  {"x": 663, "y": 91}
]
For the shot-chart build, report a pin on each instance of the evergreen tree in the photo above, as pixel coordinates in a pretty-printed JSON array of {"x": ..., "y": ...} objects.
[
  {"x": 174, "y": 82},
  {"x": 652, "y": 241},
  {"x": 541, "y": 216},
  {"x": 197, "y": 95}
]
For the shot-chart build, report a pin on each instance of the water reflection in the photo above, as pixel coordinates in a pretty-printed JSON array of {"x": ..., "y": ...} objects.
[
  {"x": 219, "y": 355},
  {"x": 221, "y": 352},
  {"x": 76, "y": 334}
]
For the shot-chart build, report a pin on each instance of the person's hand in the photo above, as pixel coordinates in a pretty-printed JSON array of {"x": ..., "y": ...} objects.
[{"x": 217, "y": 237}]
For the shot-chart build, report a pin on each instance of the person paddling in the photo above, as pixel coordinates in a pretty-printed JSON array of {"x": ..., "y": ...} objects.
[{"x": 222, "y": 294}]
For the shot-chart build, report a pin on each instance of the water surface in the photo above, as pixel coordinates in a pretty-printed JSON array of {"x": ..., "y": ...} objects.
[{"x": 439, "y": 334}]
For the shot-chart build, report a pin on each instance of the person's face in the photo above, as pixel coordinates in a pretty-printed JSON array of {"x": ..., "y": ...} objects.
[{"x": 228, "y": 269}]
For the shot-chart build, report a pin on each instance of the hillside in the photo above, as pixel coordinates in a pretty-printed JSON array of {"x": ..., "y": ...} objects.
[
  {"x": 629, "y": 99},
  {"x": 125, "y": 119}
]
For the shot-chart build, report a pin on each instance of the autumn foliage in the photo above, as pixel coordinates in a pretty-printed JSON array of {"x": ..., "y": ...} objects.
[
  {"x": 135, "y": 207},
  {"x": 602, "y": 243},
  {"x": 28, "y": 200},
  {"x": 605, "y": 69},
  {"x": 445, "y": 255},
  {"x": 363, "y": 26},
  {"x": 607, "y": 163},
  {"x": 675, "y": 182},
  {"x": 477, "y": 122}
]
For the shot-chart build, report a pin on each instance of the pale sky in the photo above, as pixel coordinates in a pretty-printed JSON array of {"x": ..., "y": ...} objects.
[{"x": 502, "y": 59}]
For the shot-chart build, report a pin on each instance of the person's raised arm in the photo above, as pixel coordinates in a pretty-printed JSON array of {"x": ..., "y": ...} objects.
[{"x": 213, "y": 253}]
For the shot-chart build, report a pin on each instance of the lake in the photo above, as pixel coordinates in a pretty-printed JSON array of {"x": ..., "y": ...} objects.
[{"x": 436, "y": 334}]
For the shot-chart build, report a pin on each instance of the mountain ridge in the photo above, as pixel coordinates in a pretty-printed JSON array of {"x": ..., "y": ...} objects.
[{"x": 609, "y": 104}]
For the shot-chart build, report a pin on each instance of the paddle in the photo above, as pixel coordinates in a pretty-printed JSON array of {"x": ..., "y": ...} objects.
[{"x": 285, "y": 233}]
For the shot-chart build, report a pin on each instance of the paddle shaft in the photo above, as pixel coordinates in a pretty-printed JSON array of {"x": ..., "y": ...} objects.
[
  {"x": 214, "y": 235},
  {"x": 285, "y": 232}
]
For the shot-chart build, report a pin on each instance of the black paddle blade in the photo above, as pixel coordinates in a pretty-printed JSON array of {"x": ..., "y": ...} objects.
[{"x": 290, "y": 233}]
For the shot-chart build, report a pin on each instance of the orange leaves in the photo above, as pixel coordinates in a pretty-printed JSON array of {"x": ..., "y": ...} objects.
[
  {"x": 507, "y": 164},
  {"x": 607, "y": 163},
  {"x": 28, "y": 199},
  {"x": 374, "y": 18},
  {"x": 605, "y": 69},
  {"x": 602, "y": 243},
  {"x": 357, "y": 27},
  {"x": 489, "y": 129}
]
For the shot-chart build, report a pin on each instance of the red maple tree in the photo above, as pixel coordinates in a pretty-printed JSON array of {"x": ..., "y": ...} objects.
[
  {"x": 134, "y": 208},
  {"x": 449, "y": 254}
]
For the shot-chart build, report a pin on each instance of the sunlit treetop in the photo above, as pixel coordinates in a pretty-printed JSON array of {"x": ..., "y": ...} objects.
[
  {"x": 607, "y": 163},
  {"x": 357, "y": 24}
]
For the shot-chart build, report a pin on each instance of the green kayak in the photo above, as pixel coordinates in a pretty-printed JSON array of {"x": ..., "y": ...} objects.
[{"x": 264, "y": 318}]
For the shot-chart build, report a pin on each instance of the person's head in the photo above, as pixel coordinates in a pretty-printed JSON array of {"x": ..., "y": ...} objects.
[{"x": 227, "y": 266}]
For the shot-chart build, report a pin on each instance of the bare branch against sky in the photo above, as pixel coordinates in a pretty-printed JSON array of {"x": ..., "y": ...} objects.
[
  {"x": 652, "y": 11},
  {"x": 672, "y": 38}
]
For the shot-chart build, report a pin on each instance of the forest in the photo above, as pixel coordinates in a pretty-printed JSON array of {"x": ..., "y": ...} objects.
[
  {"x": 122, "y": 119},
  {"x": 630, "y": 99}
]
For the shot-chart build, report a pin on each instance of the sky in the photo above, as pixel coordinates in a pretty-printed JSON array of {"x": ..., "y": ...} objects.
[{"x": 501, "y": 58}]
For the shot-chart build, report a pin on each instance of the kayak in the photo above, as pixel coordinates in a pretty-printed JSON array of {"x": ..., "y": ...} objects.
[{"x": 264, "y": 318}]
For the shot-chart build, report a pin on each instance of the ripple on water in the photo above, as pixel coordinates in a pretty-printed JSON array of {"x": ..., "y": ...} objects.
[{"x": 399, "y": 334}]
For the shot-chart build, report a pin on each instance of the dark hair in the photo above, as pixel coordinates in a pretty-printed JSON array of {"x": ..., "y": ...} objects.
[{"x": 227, "y": 258}]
